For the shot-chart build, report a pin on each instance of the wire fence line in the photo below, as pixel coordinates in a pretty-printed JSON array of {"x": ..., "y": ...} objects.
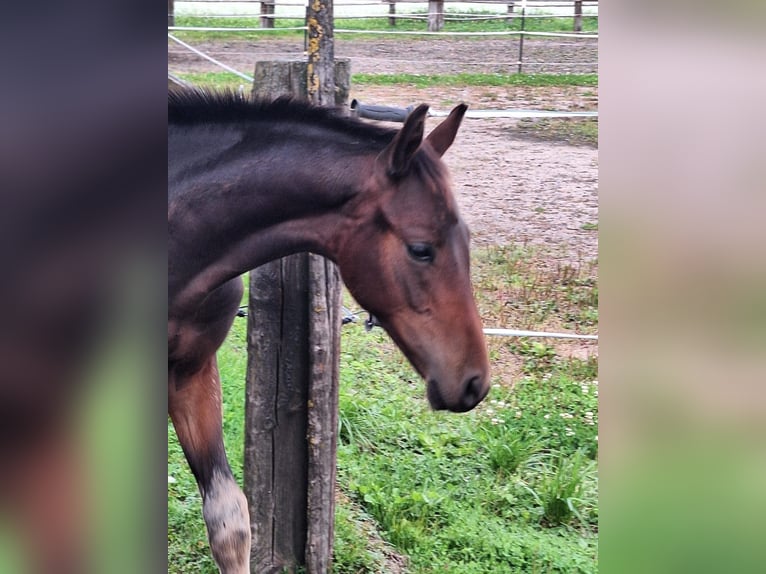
[
  {"x": 470, "y": 114},
  {"x": 434, "y": 12},
  {"x": 518, "y": 62},
  {"x": 363, "y": 8},
  {"x": 211, "y": 59},
  {"x": 385, "y": 32},
  {"x": 388, "y": 59},
  {"x": 448, "y": 16},
  {"x": 239, "y": 25}
]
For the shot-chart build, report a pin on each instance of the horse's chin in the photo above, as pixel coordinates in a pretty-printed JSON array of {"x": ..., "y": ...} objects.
[{"x": 434, "y": 396}]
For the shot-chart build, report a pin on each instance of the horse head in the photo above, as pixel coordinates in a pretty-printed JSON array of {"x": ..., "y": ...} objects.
[{"x": 405, "y": 258}]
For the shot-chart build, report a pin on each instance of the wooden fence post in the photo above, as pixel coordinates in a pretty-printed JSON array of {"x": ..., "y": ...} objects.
[
  {"x": 321, "y": 52},
  {"x": 578, "y": 16},
  {"x": 325, "y": 318},
  {"x": 267, "y": 9},
  {"x": 171, "y": 13},
  {"x": 275, "y": 465},
  {"x": 392, "y": 13},
  {"x": 292, "y": 382},
  {"x": 511, "y": 6},
  {"x": 435, "y": 15}
]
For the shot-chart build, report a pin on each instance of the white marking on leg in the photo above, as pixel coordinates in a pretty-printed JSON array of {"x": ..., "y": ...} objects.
[{"x": 228, "y": 524}]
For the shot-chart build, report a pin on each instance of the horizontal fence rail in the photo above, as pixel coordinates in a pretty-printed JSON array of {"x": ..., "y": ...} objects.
[
  {"x": 522, "y": 333},
  {"x": 387, "y": 32},
  {"x": 529, "y": 4},
  {"x": 435, "y": 16}
]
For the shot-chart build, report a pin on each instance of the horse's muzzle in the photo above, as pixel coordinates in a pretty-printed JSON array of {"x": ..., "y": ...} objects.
[{"x": 474, "y": 389}]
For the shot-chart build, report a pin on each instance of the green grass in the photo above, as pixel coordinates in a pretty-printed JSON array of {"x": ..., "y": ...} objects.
[
  {"x": 573, "y": 131},
  {"x": 515, "y": 286},
  {"x": 590, "y": 25},
  {"x": 508, "y": 487},
  {"x": 229, "y": 80},
  {"x": 218, "y": 80}
]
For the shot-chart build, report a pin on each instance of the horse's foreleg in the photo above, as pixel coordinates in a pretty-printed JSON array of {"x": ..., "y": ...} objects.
[{"x": 195, "y": 407}]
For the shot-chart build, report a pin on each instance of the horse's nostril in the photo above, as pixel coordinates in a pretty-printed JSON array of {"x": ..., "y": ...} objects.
[
  {"x": 471, "y": 389},
  {"x": 475, "y": 390}
]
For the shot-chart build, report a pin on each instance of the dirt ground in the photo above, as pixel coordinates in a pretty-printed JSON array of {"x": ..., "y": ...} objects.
[
  {"x": 512, "y": 187},
  {"x": 425, "y": 55}
]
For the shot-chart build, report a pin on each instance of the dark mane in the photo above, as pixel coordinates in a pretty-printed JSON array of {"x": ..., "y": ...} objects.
[{"x": 200, "y": 106}]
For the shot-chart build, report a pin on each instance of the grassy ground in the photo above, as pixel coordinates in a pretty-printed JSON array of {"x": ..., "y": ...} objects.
[
  {"x": 229, "y": 80},
  {"x": 589, "y": 25},
  {"x": 508, "y": 487},
  {"x": 573, "y": 131}
]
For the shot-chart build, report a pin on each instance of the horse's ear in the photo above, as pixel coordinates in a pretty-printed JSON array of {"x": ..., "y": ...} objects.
[
  {"x": 443, "y": 135},
  {"x": 399, "y": 152}
]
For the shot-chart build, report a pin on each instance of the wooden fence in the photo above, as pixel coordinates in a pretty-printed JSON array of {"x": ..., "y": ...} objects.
[{"x": 436, "y": 10}]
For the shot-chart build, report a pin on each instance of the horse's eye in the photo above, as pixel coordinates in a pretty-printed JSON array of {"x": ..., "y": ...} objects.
[{"x": 423, "y": 252}]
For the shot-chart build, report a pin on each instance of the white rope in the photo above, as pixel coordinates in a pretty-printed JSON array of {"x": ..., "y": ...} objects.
[
  {"x": 209, "y": 59},
  {"x": 353, "y": 316},
  {"x": 426, "y": 33},
  {"x": 229, "y": 29},
  {"x": 448, "y": 16},
  {"x": 520, "y": 333},
  {"x": 479, "y": 114},
  {"x": 384, "y": 32}
]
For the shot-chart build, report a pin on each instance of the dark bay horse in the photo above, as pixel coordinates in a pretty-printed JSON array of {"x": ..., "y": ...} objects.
[{"x": 249, "y": 182}]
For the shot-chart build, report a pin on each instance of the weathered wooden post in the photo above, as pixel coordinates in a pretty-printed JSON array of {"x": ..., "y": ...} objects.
[
  {"x": 267, "y": 10},
  {"x": 510, "y": 11},
  {"x": 578, "y": 16},
  {"x": 324, "y": 321},
  {"x": 392, "y": 13},
  {"x": 435, "y": 15},
  {"x": 293, "y": 352},
  {"x": 171, "y": 13},
  {"x": 321, "y": 52}
]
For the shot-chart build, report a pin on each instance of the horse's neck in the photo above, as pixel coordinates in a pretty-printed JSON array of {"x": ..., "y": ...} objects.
[{"x": 253, "y": 206}]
